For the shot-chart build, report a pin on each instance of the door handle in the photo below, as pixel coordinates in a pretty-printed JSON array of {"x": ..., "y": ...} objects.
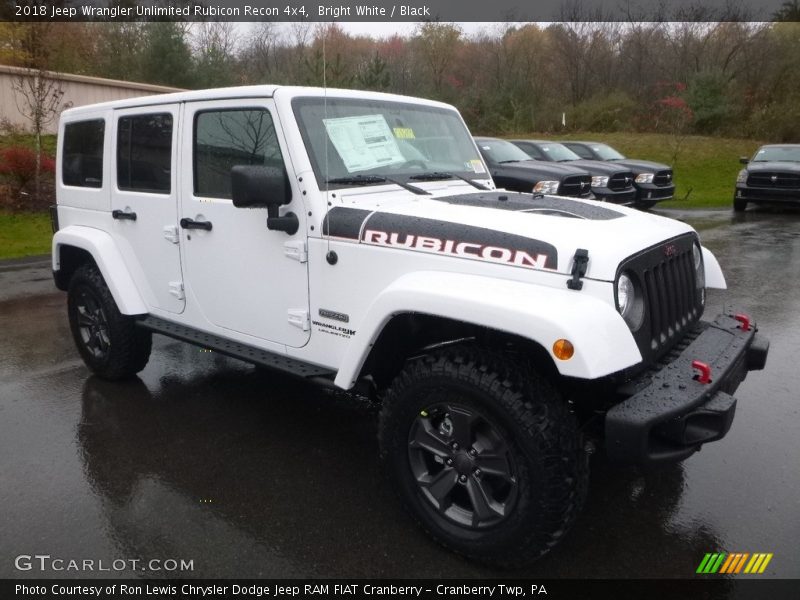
[
  {"x": 192, "y": 224},
  {"x": 123, "y": 215}
]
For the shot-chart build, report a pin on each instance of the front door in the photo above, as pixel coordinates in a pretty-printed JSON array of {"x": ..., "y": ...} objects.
[
  {"x": 144, "y": 202},
  {"x": 244, "y": 277}
]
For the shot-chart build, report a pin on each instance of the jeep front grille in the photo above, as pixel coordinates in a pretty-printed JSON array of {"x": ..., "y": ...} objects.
[
  {"x": 767, "y": 179},
  {"x": 663, "y": 178},
  {"x": 619, "y": 182},
  {"x": 672, "y": 301}
]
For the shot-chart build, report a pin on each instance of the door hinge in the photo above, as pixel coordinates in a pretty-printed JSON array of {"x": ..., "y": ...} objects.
[
  {"x": 299, "y": 318},
  {"x": 296, "y": 251},
  {"x": 176, "y": 289},
  {"x": 171, "y": 234}
]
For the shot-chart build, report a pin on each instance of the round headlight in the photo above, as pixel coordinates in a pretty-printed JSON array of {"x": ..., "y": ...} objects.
[
  {"x": 630, "y": 302},
  {"x": 700, "y": 276},
  {"x": 699, "y": 272},
  {"x": 625, "y": 294}
]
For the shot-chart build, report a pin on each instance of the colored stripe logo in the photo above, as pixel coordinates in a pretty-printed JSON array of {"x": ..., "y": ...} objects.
[{"x": 734, "y": 563}]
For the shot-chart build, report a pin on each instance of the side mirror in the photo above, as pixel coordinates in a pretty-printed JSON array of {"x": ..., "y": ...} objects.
[
  {"x": 744, "y": 160},
  {"x": 256, "y": 186}
]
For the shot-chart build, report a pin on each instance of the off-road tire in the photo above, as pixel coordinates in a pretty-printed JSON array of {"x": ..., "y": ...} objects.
[
  {"x": 739, "y": 205},
  {"x": 127, "y": 347},
  {"x": 539, "y": 432}
]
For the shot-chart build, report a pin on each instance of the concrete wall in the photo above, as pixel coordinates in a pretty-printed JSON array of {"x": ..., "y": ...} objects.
[{"x": 78, "y": 90}]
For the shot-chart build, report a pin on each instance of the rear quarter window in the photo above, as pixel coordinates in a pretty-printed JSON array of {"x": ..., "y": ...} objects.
[{"x": 82, "y": 153}]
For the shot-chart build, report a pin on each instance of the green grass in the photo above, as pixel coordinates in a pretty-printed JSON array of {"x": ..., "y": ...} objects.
[
  {"x": 707, "y": 166},
  {"x": 24, "y": 234}
]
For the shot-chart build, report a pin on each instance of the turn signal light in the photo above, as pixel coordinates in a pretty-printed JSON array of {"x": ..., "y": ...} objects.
[{"x": 563, "y": 349}]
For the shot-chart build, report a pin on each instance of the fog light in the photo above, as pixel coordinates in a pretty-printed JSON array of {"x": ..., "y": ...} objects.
[{"x": 563, "y": 349}]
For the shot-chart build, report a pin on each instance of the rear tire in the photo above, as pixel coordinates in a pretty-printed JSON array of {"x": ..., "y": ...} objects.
[
  {"x": 739, "y": 205},
  {"x": 516, "y": 478},
  {"x": 110, "y": 343}
]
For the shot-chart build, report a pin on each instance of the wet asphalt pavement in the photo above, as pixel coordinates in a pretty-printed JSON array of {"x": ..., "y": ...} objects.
[{"x": 253, "y": 474}]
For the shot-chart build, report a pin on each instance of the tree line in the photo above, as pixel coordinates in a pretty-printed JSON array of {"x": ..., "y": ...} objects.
[{"x": 738, "y": 79}]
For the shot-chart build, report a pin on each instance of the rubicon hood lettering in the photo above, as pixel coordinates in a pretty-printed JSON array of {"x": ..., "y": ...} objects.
[
  {"x": 454, "y": 247},
  {"x": 457, "y": 239}
]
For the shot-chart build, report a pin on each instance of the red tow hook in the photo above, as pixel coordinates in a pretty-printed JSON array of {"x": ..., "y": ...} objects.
[
  {"x": 705, "y": 371},
  {"x": 744, "y": 320}
]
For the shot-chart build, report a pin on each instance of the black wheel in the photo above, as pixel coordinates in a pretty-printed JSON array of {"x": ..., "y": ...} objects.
[
  {"x": 484, "y": 454},
  {"x": 739, "y": 205},
  {"x": 110, "y": 343}
]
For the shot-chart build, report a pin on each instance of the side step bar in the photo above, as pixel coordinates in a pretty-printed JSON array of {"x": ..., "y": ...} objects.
[{"x": 234, "y": 349}]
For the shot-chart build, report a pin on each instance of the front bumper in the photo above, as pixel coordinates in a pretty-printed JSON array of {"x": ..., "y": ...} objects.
[
  {"x": 670, "y": 414},
  {"x": 608, "y": 195},
  {"x": 648, "y": 192},
  {"x": 755, "y": 194}
]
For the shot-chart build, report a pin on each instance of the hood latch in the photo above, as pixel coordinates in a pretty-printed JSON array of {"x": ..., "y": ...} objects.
[{"x": 579, "y": 264}]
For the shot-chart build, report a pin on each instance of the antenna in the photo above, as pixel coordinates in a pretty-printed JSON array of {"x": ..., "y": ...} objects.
[{"x": 327, "y": 228}]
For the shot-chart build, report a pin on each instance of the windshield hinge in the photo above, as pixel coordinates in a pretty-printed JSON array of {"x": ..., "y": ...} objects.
[{"x": 579, "y": 264}]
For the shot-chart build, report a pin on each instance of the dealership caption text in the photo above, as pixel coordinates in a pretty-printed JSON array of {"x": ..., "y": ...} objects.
[
  {"x": 229, "y": 591},
  {"x": 333, "y": 11}
]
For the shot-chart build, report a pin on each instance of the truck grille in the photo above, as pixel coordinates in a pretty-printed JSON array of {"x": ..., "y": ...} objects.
[
  {"x": 672, "y": 301},
  {"x": 621, "y": 181},
  {"x": 663, "y": 177},
  {"x": 768, "y": 179},
  {"x": 579, "y": 185}
]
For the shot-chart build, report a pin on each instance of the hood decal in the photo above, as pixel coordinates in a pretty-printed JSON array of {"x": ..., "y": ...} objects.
[
  {"x": 439, "y": 237},
  {"x": 551, "y": 205}
]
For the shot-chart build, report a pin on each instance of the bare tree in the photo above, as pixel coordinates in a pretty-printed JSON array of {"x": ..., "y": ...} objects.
[{"x": 40, "y": 99}]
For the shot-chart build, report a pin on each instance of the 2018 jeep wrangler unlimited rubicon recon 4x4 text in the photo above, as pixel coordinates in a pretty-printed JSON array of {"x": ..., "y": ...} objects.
[{"x": 356, "y": 239}]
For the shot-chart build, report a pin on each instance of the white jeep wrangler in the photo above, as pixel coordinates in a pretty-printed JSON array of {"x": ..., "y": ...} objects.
[{"x": 357, "y": 239}]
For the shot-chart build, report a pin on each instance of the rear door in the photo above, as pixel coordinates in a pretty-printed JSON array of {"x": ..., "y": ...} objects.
[{"x": 144, "y": 202}]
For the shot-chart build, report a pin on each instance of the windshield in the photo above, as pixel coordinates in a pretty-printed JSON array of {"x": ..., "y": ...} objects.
[
  {"x": 557, "y": 152},
  {"x": 500, "y": 151},
  {"x": 778, "y": 153},
  {"x": 606, "y": 152},
  {"x": 352, "y": 137}
]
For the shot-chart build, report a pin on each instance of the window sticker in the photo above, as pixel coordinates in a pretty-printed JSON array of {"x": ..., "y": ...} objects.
[
  {"x": 404, "y": 133},
  {"x": 363, "y": 142},
  {"x": 476, "y": 165}
]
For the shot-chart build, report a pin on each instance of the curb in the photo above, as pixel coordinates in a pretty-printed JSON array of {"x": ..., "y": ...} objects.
[{"x": 26, "y": 262}]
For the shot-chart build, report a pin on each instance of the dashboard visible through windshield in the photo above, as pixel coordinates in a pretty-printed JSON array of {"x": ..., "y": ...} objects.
[{"x": 354, "y": 141}]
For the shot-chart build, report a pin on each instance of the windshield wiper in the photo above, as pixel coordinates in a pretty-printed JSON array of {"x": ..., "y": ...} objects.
[
  {"x": 441, "y": 175},
  {"x": 373, "y": 179},
  {"x": 505, "y": 162}
]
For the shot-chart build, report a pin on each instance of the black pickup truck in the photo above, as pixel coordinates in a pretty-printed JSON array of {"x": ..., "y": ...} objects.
[
  {"x": 514, "y": 170},
  {"x": 772, "y": 175},
  {"x": 610, "y": 182},
  {"x": 653, "y": 181}
]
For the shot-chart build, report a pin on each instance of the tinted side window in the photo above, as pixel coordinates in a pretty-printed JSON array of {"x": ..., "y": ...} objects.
[
  {"x": 225, "y": 138},
  {"x": 531, "y": 151},
  {"x": 82, "y": 153},
  {"x": 144, "y": 153},
  {"x": 580, "y": 150}
]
